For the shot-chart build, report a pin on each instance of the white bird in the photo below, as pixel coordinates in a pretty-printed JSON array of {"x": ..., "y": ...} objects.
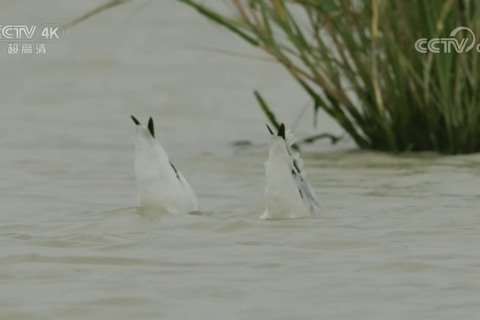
[
  {"x": 288, "y": 193},
  {"x": 160, "y": 184}
]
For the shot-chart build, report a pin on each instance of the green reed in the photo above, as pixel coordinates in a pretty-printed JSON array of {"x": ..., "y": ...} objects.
[{"x": 357, "y": 61}]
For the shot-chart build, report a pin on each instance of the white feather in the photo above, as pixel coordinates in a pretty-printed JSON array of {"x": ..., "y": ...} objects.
[
  {"x": 288, "y": 194},
  {"x": 158, "y": 183}
]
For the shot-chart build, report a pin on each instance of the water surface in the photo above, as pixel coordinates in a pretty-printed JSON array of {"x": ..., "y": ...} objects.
[{"x": 399, "y": 238}]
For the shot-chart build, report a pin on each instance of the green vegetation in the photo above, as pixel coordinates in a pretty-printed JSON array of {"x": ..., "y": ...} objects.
[{"x": 357, "y": 61}]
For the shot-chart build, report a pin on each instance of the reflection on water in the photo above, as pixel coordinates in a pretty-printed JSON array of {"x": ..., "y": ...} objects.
[{"x": 398, "y": 238}]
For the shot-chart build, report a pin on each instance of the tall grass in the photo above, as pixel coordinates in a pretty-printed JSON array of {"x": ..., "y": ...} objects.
[{"x": 357, "y": 61}]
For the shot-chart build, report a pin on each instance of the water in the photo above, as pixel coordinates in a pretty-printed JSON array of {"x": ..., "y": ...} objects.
[{"x": 399, "y": 238}]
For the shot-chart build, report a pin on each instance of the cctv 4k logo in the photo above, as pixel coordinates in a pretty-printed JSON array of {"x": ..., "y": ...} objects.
[{"x": 50, "y": 32}]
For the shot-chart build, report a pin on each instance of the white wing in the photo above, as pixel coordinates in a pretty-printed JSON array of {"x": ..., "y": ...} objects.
[
  {"x": 188, "y": 191},
  {"x": 300, "y": 176},
  {"x": 159, "y": 183},
  {"x": 288, "y": 193}
]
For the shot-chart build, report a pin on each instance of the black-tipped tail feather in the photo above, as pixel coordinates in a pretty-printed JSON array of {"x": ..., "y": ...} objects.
[
  {"x": 135, "y": 120},
  {"x": 270, "y": 130},
  {"x": 281, "y": 131},
  {"x": 150, "y": 127}
]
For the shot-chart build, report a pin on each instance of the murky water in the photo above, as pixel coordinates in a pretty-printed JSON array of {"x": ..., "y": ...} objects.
[{"x": 399, "y": 238}]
